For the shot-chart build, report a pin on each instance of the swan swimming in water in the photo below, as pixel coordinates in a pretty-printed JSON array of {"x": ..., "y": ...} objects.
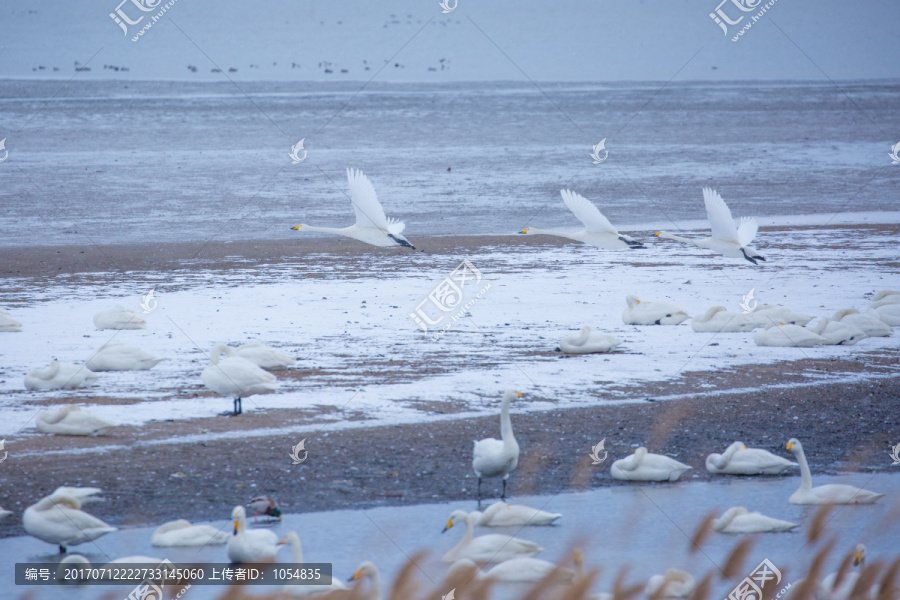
[
  {"x": 643, "y": 466},
  {"x": 832, "y": 493},
  {"x": 739, "y": 520},
  {"x": 844, "y": 590},
  {"x": 293, "y": 540},
  {"x": 674, "y": 584},
  {"x": 652, "y": 313},
  {"x": 588, "y": 341},
  {"x": 719, "y": 319},
  {"x": 740, "y": 460},
  {"x": 236, "y": 377},
  {"x": 71, "y": 420},
  {"x": 182, "y": 533},
  {"x": 119, "y": 318},
  {"x": 59, "y": 376},
  {"x": 498, "y": 458},
  {"x": 501, "y": 514},
  {"x": 250, "y": 545},
  {"x": 121, "y": 357},
  {"x": 490, "y": 548},
  {"x": 58, "y": 519}
]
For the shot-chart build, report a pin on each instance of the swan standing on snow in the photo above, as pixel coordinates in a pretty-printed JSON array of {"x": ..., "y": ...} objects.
[
  {"x": 597, "y": 232},
  {"x": 643, "y": 466},
  {"x": 739, "y": 520},
  {"x": 726, "y": 239},
  {"x": 773, "y": 314},
  {"x": 7, "y": 323},
  {"x": 740, "y": 460},
  {"x": 490, "y": 548},
  {"x": 262, "y": 356},
  {"x": 652, "y": 313},
  {"x": 250, "y": 545},
  {"x": 588, "y": 341},
  {"x": 71, "y": 420},
  {"x": 836, "y": 332},
  {"x": 498, "y": 458},
  {"x": 501, "y": 514},
  {"x": 887, "y": 296},
  {"x": 293, "y": 540},
  {"x": 182, "y": 533},
  {"x": 832, "y": 493},
  {"x": 236, "y": 377},
  {"x": 372, "y": 226},
  {"x": 784, "y": 335},
  {"x": 871, "y": 325},
  {"x": 886, "y": 310},
  {"x": 718, "y": 319},
  {"x": 59, "y": 376},
  {"x": 119, "y": 318},
  {"x": 58, "y": 519},
  {"x": 121, "y": 357},
  {"x": 674, "y": 584}
]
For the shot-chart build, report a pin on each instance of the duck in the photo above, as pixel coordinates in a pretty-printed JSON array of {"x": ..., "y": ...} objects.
[
  {"x": 597, "y": 232},
  {"x": 119, "y": 318},
  {"x": 773, "y": 314},
  {"x": 250, "y": 545},
  {"x": 588, "y": 341},
  {"x": 718, "y": 319},
  {"x": 652, "y": 313},
  {"x": 121, "y": 357},
  {"x": 182, "y": 533},
  {"x": 872, "y": 326},
  {"x": 60, "y": 376},
  {"x": 71, "y": 420},
  {"x": 490, "y": 548},
  {"x": 58, "y": 519},
  {"x": 837, "y": 333},
  {"x": 262, "y": 356},
  {"x": 236, "y": 377},
  {"x": 886, "y": 310},
  {"x": 526, "y": 569},
  {"x": 372, "y": 226},
  {"x": 293, "y": 540},
  {"x": 501, "y": 514},
  {"x": 7, "y": 323},
  {"x": 832, "y": 493},
  {"x": 844, "y": 590},
  {"x": 367, "y": 571},
  {"x": 740, "y": 460},
  {"x": 263, "y": 505},
  {"x": 726, "y": 239},
  {"x": 498, "y": 458},
  {"x": 675, "y": 583},
  {"x": 643, "y": 466},
  {"x": 738, "y": 519},
  {"x": 785, "y": 335}
]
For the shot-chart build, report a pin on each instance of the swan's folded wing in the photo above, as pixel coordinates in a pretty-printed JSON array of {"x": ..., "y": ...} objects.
[
  {"x": 369, "y": 212},
  {"x": 747, "y": 230},
  {"x": 720, "y": 221},
  {"x": 587, "y": 213}
]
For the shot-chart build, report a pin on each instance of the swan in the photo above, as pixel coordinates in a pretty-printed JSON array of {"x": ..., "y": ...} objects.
[
  {"x": 292, "y": 539},
  {"x": 121, "y": 357},
  {"x": 643, "y": 466},
  {"x": 726, "y": 239},
  {"x": 772, "y": 314},
  {"x": 525, "y": 569},
  {"x": 837, "y": 333},
  {"x": 490, "y": 548},
  {"x": 498, "y": 458},
  {"x": 82, "y": 561},
  {"x": 263, "y": 505},
  {"x": 871, "y": 325},
  {"x": 182, "y": 533},
  {"x": 597, "y": 232},
  {"x": 236, "y": 377},
  {"x": 886, "y": 310},
  {"x": 740, "y": 460},
  {"x": 372, "y": 226},
  {"x": 891, "y": 296},
  {"x": 652, "y": 313},
  {"x": 739, "y": 520},
  {"x": 262, "y": 356},
  {"x": 788, "y": 336},
  {"x": 58, "y": 519},
  {"x": 674, "y": 584},
  {"x": 832, "y": 493},
  {"x": 844, "y": 590},
  {"x": 71, "y": 420},
  {"x": 119, "y": 318},
  {"x": 250, "y": 545},
  {"x": 7, "y": 323},
  {"x": 501, "y": 514},
  {"x": 588, "y": 342},
  {"x": 368, "y": 570},
  {"x": 60, "y": 376},
  {"x": 718, "y": 319}
]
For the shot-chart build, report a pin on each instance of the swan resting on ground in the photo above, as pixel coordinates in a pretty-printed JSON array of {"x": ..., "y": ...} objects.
[
  {"x": 71, "y": 420},
  {"x": 250, "y": 545},
  {"x": 293, "y": 540},
  {"x": 773, "y": 314},
  {"x": 892, "y": 296},
  {"x": 674, "y": 584},
  {"x": 119, "y": 318},
  {"x": 837, "y": 333},
  {"x": 501, "y": 514},
  {"x": 886, "y": 310},
  {"x": 498, "y": 458},
  {"x": 588, "y": 341},
  {"x": 7, "y": 323},
  {"x": 262, "y": 356},
  {"x": 719, "y": 318},
  {"x": 60, "y": 376},
  {"x": 871, "y": 325},
  {"x": 643, "y": 466},
  {"x": 740, "y": 460},
  {"x": 58, "y": 519},
  {"x": 121, "y": 357},
  {"x": 236, "y": 377},
  {"x": 182, "y": 533},
  {"x": 832, "y": 493},
  {"x": 787, "y": 336},
  {"x": 490, "y": 548},
  {"x": 739, "y": 520},
  {"x": 652, "y": 313}
]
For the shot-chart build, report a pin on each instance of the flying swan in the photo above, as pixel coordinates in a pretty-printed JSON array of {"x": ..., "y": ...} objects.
[
  {"x": 236, "y": 377},
  {"x": 643, "y": 466},
  {"x": 740, "y": 460},
  {"x": 498, "y": 458},
  {"x": 588, "y": 341},
  {"x": 490, "y": 548},
  {"x": 832, "y": 493}
]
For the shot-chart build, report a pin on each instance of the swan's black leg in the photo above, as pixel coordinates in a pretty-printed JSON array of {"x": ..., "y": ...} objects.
[
  {"x": 401, "y": 242},
  {"x": 238, "y": 409},
  {"x": 503, "y": 495},
  {"x": 62, "y": 549},
  {"x": 479, "y": 490},
  {"x": 748, "y": 257}
]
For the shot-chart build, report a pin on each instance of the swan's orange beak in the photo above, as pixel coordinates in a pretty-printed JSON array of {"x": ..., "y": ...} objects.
[
  {"x": 857, "y": 559},
  {"x": 448, "y": 526},
  {"x": 524, "y": 230},
  {"x": 356, "y": 575},
  {"x": 236, "y": 526},
  {"x": 638, "y": 301},
  {"x": 519, "y": 394},
  {"x": 296, "y": 227},
  {"x": 657, "y": 233},
  {"x": 789, "y": 445}
]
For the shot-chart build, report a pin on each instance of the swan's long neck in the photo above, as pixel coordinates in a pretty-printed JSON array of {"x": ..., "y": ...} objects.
[
  {"x": 375, "y": 592},
  {"x": 583, "y": 336},
  {"x": 506, "y": 430},
  {"x": 572, "y": 235},
  {"x": 296, "y": 549},
  {"x": 805, "y": 475},
  {"x": 467, "y": 537},
  {"x": 217, "y": 351},
  {"x": 58, "y": 415},
  {"x": 725, "y": 458},
  {"x": 334, "y": 230}
]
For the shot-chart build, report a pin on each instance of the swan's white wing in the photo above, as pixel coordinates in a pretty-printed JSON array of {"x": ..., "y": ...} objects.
[
  {"x": 747, "y": 230},
  {"x": 365, "y": 203},
  {"x": 395, "y": 226},
  {"x": 720, "y": 220},
  {"x": 587, "y": 213}
]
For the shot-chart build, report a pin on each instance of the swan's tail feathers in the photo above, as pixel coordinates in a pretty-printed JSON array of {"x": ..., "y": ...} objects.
[{"x": 747, "y": 230}]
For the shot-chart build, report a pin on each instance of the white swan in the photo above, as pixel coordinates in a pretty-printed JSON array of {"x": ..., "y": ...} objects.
[
  {"x": 643, "y": 466},
  {"x": 674, "y": 584},
  {"x": 83, "y": 561},
  {"x": 652, "y": 313},
  {"x": 872, "y": 326},
  {"x": 886, "y": 310},
  {"x": 236, "y": 377},
  {"x": 740, "y": 460},
  {"x": 293, "y": 540},
  {"x": 773, "y": 314},
  {"x": 58, "y": 519},
  {"x": 119, "y": 318},
  {"x": 71, "y": 420},
  {"x": 726, "y": 239},
  {"x": 7, "y": 323},
  {"x": 490, "y": 548},
  {"x": 367, "y": 570},
  {"x": 844, "y": 590},
  {"x": 739, "y": 520},
  {"x": 718, "y": 319},
  {"x": 4, "y": 513},
  {"x": 597, "y": 232},
  {"x": 59, "y": 376},
  {"x": 892, "y": 296},
  {"x": 525, "y": 569},
  {"x": 250, "y": 545},
  {"x": 498, "y": 458},
  {"x": 837, "y": 333},
  {"x": 372, "y": 226},
  {"x": 501, "y": 514},
  {"x": 262, "y": 356},
  {"x": 832, "y": 493},
  {"x": 182, "y": 533},
  {"x": 121, "y": 357},
  {"x": 784, "y": 335},
  {"x": 588, "y": 341}
]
